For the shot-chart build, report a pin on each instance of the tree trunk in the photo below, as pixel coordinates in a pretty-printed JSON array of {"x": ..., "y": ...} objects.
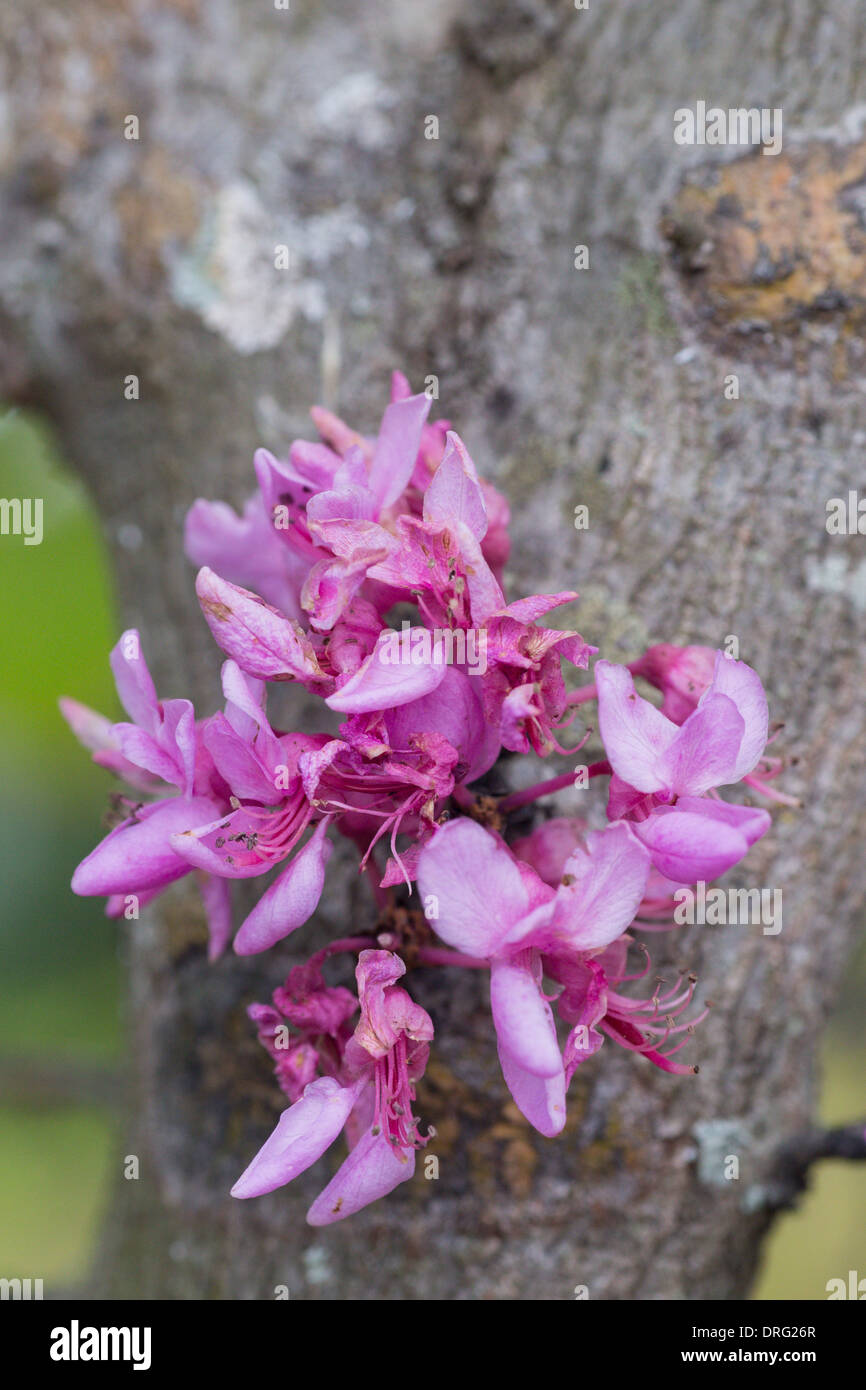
[{"x": 455, "y": 256}]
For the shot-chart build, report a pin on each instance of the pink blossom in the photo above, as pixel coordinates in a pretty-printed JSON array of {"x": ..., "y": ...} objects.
[
  {"x": 594, "y": 1006},
  {"x": 663, "y": 771},
  {"x": 491, "y": 906},
  {"x": 381, "y": 1062},
  {"x": 524, "y": 689},
  {"x": 682, "y": 674},
  {"x": 719, "y": 742},
  {"x": 246, "y": 551},
  {"x": 349, "y": 539},
  {"x": 265, "y": 828},
  {"x": 161, "y": 747}
]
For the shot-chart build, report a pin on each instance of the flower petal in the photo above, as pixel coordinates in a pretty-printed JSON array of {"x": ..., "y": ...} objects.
[
  {"x": 263, "y": 641},
  {"x": 384, "y": 681},
  {"x": 397, "y": 447},
  {"x": 476, "y": 886},
  {"x": 245, "y": 711},
  {"x": 751, "y": 821},
  {"x": 635, "y": 734},
  {"x": 455, "y": 492},
  {"x": 372, "y": 1170},
  {"x": 743, "y": 685},
  {"x": 699, "y": 841},
  {"x": 169, "y": 752},
  {"x": 704, "y": 752},
  {"x": 93, "y": 730},
  {"x": 302, "y": 1135},
  {"x": 138, "y": 854},
  {"x": 541, "y": 1099},
  {"x": 607, "y": 882},
  {"x": 237, "y": 762},
  {"x": 522, "y": 1016},
  {"x": 291, "y": 899},
  {"x": 245, "y": 550},
  {"x": 216, "y": 896},
  {"x": 134, "y": 684}
]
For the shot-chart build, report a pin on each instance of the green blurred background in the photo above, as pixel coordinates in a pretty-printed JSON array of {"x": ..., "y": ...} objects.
[{"x": 60, "y": 1025}]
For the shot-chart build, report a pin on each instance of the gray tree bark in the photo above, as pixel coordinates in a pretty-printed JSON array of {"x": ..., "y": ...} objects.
[{"x": 455, "y": 256}]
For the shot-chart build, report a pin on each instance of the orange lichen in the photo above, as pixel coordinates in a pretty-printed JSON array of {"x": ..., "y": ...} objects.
[{"x": 768, "y": 242}]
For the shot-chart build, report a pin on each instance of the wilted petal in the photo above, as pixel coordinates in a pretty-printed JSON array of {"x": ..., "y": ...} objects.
[
  {"x": 520, "y": 704},
  {"x": 386, "y": 1009},
  {"x": 526, "y": 610},
  {"x": 372, "y": 1170},
  {"x": 264, "y": 642}
]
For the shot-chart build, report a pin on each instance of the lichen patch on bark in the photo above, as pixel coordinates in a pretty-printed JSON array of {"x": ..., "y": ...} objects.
[{"x": 766, "y": 243}]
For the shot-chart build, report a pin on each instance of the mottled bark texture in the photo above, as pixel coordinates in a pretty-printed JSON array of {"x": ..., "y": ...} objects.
[{"x": 455, "y": 256}]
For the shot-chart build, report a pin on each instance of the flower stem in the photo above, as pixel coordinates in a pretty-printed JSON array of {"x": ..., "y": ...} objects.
[
  {"x": 346, "y": 943},
  {"x": 580, "y": 696},
  {"x": 436, "y": 955},
  {"x": 760, "y": 786},
  {"x": 555, "y": 784},
  {"x": 464, "y": 798},
  {"x": 373, "y": 872}
]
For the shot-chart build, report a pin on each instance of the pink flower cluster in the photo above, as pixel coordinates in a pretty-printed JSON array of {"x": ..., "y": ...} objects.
[{"x": 347, "y": 540}]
